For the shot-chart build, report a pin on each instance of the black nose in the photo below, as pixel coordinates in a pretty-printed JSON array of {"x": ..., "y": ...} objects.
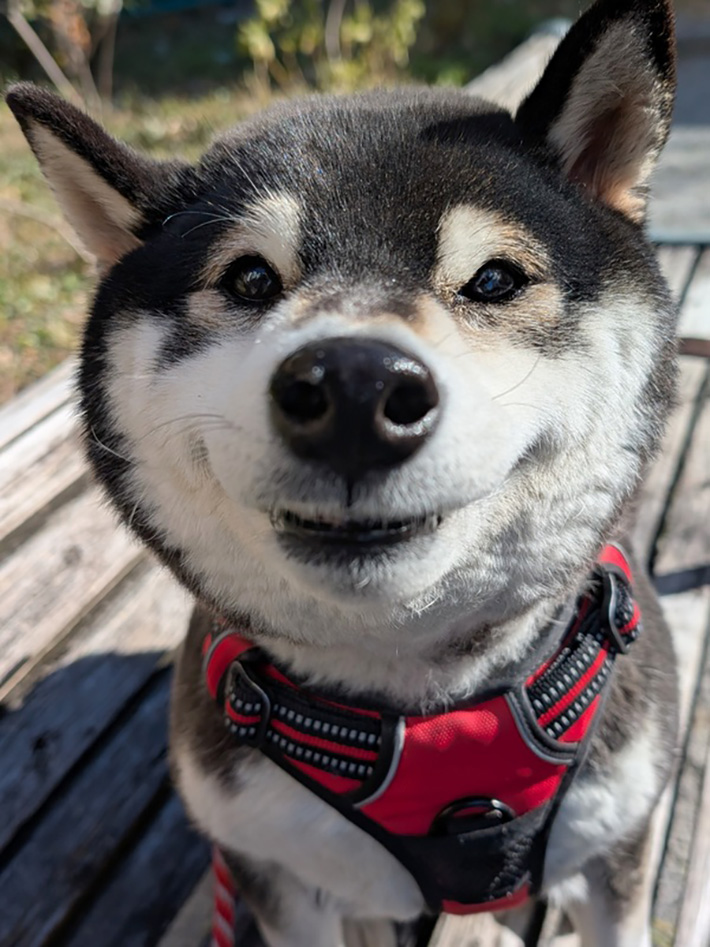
[{"x": 354, "y": 404}]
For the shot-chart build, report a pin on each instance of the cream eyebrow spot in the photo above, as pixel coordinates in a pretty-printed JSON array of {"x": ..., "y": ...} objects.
[
  {"x": 269, "y": 228},
  {"x": 471, "y": 236}
]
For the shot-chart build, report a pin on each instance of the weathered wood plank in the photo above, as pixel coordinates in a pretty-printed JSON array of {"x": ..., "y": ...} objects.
[
  {"x": 148, "y": 887},
  {"x": 684, "y": 542},
  {"x": 53, "y": 580},
  {"x": 695, "y": 317},
  {"x": 38, "y": 468},
  {"x": 677, "y": 266},
  {"x": 694, "y": 922},
  {"x": 77, "y": 838},
  {"x": 654, "y": 494},
  {"x": 33, "y": 404},
  {"x": 46, "y": 731},
  {"x": 680, "y": 209},
  {"x": 690, "y": 612},
  {"x": 191, "y": 925}
]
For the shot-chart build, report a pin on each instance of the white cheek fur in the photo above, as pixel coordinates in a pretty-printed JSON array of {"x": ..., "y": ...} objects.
[{"x": 496, "y": 404}]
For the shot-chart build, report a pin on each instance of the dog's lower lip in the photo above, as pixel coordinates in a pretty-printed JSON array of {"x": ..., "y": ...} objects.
[{"x": 354, "y": 532}]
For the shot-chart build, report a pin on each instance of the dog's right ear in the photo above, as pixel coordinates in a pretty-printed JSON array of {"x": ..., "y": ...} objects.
[
  {"x": 603, "y": 105},
  {"x": 109, "y": 194}
]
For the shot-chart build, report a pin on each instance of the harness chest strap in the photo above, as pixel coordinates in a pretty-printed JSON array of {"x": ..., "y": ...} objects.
[{"x": 464, "y": 798}]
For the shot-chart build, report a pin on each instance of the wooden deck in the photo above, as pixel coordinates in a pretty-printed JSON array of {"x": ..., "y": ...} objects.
[{"x": 95, "y": 850}]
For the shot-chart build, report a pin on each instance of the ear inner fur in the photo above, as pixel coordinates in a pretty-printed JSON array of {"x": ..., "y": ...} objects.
[
  {"x": 105, "y": 221},
  {"x": 606, "y": 113},
  {"x": 109, "y": 193}
]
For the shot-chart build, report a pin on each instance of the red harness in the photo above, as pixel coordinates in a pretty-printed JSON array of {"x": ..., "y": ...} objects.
[{"x": 464, "y": 798}]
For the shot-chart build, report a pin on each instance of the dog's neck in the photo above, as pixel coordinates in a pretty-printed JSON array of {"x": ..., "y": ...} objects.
[{"x": 460, "y": 664}]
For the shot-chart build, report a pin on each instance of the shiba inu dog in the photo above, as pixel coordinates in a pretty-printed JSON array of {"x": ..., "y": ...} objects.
[{"x": 377, "y": 380}]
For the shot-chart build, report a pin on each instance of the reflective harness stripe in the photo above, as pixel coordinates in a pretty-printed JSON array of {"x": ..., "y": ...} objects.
[{"x": 464, "y": 798}]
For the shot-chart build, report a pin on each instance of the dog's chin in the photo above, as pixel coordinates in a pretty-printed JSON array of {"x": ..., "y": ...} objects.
[{"x": 360, "y": 562}]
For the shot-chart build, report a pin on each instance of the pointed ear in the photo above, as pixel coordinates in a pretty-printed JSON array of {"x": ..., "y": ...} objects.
[
  {"x": 604, "y": 103},
  {"x": 109, "y": 194}
]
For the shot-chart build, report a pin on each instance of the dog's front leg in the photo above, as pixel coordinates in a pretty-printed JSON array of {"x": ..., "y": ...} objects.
[
  {"x": 617, "y": 909},
  {"x": 288, "y": 912}
]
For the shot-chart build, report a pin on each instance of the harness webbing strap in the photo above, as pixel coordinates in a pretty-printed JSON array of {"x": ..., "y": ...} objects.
[
  {"x": 563, "y": 690},
  {"x": 346, "y": 741},
  {"x": 474, "y": 836}
]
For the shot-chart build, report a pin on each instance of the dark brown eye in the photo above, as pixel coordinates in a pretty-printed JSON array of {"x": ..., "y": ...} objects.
[
  {"x": 251, "y": 279},
  {"x": 495, "y": 282}
]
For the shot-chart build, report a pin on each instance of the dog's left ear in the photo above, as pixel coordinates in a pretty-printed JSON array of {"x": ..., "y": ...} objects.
[
  {"x": 111, "y": 195},
  {"x": 604, "y": 103}
]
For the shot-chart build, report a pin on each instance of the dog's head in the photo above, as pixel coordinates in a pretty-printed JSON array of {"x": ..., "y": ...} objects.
[{"x": 387, "y": 356}]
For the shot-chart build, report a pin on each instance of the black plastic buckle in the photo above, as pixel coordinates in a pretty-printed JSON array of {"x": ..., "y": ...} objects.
[
  {"x": 487, "y": 814},
  {"x": 239, "y": 676},
  {"x": 610, "y": 602}
]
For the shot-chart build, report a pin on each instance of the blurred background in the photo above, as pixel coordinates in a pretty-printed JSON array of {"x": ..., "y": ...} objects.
[{"x": 166, "y": 75}]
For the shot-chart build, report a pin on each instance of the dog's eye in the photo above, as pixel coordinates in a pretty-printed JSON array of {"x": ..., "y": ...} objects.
[
  {"x": 251, "y": 279},
  {"x": 495, "y": 282}
]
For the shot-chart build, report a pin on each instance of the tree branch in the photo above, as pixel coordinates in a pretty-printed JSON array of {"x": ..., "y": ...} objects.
[
  {"x": 20, "y": 209},
  {"x": 42, "y": 55}
]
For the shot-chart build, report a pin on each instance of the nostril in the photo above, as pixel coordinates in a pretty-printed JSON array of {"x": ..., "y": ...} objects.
[
  {"x": 410, "y": 402},
  {"x": 354, "y": 404},
  {"x": 301, "y": 401}
]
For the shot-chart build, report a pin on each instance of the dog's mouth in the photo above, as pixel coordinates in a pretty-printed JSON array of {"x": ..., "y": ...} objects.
[{"x": 356, "y": 534}]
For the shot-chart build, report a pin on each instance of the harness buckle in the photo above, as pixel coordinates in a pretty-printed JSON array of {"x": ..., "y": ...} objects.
[
  {"x": 612, "y": 604},
  {"x": 240, "y": 682}
]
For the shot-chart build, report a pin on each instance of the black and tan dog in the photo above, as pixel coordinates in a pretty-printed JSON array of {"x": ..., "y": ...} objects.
[{"x": 377, "y": 379}]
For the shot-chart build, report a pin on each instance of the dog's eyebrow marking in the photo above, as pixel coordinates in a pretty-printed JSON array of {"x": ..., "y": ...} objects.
[
  {"x": 470, "y": 236},
  {"x": 269, "y": 227}
]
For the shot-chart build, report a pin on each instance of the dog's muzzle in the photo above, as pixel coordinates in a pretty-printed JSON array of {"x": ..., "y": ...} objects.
[{"x": 355, "y": 405}]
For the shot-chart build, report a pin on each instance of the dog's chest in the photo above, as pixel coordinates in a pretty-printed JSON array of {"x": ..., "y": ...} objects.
[{"x": 269, "y": 817}]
